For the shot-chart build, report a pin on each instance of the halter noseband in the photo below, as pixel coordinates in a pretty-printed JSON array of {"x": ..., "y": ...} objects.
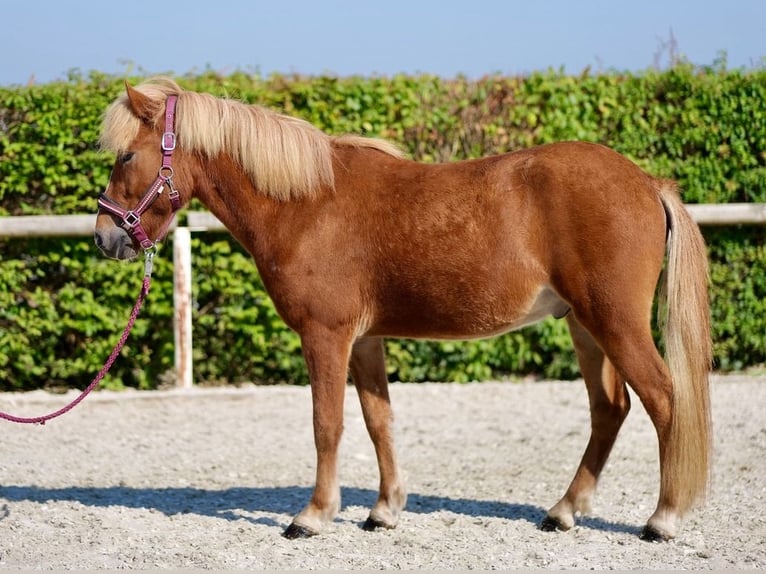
[{"x": 131, "y": 218}]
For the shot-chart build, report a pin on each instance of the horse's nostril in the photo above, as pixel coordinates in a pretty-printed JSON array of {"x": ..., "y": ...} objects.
[{"x": 99, "y": 240}]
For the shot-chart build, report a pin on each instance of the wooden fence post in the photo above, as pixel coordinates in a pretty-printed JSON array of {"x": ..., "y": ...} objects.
[{"x": 182, "y": 317}]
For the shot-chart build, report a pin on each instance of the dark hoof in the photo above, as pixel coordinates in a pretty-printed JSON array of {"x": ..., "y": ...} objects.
[
  {"x": 371, "y": 524},
  {"x": 550, "y": 524},
  {"x": 650, "y": 534},
  {"x": 296, "y": 531}
]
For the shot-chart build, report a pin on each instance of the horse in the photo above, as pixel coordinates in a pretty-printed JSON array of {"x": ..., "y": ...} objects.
[{"x": 356, "y": 243}]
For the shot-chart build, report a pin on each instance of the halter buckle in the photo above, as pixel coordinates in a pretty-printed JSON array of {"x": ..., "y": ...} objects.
[
  {"x": 175, "y": 198},
  {"x": 131, "y": 219},
  {"x": 168, "y": 141}
]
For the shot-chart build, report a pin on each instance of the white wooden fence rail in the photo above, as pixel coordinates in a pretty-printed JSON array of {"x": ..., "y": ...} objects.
[{"x": 82, "y": 225}]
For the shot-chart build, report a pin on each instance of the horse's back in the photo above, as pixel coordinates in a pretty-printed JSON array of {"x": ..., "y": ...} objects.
[{"x": 576, "y": 198}]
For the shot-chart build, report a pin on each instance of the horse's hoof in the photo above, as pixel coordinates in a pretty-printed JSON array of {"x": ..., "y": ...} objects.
[
  {"x": 650, "y": 534},
  {"x": 297, "y": 531},
  {"x": 373, "y": 524},
  {"x": 550, "y": 524}
]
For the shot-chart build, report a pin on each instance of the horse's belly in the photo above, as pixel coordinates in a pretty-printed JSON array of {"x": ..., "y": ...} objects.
[
  {"x": 547, "y": 302},
  {"x": 469, "y": 318}
]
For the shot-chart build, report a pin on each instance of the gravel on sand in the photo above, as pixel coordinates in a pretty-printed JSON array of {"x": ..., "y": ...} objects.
[{"x": 209, "y": 478}]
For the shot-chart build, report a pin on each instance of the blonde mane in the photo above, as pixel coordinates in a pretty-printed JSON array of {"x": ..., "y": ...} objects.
[{"x": 285, "y": 157}]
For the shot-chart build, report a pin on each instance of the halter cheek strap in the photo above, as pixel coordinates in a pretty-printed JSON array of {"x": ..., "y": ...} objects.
[{"x": 131, "y": 218}]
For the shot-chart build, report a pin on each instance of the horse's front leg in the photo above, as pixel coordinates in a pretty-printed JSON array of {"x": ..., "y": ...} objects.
[
  {"x": 326, "y": 353},
  {"x": 368, "y": 370}
]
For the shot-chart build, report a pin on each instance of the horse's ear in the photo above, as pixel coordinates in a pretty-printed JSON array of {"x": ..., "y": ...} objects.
[{"x": 141, "y": 105}]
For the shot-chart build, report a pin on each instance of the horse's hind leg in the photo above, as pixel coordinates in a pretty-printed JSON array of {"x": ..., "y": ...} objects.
[
  {"x": 609, "y": 405},
  {"x": 629, "y": 345},
  {"x": 648, "y": 375},
  {"x": 368, "y": 371}
]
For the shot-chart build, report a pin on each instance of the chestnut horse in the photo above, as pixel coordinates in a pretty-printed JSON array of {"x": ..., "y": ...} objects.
[{"x": 355, "y": 243}]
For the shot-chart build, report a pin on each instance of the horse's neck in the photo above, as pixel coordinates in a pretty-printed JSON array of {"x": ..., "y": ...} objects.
[
  {"x": 230, "y": 195},
  {"x": 261, "y": 223}
]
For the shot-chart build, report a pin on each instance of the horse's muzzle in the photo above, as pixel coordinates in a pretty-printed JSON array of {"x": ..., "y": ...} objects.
[{"x": 115, "y": 242}]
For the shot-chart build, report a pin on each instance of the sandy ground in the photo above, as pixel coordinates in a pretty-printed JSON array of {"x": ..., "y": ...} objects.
[{"x": 209, "y": 478}]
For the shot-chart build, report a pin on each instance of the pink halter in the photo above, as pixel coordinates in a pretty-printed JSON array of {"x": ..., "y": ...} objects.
[{"x": 131, "y": 218}]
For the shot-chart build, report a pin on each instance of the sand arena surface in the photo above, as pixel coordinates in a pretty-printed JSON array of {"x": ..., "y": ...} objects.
[{"x": 209, "y": 478}]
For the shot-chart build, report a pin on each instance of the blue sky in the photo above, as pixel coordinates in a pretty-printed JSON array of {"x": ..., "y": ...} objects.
[{"x": 44, "y": 39}]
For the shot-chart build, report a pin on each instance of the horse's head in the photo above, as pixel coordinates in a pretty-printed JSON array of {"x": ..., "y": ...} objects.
[{"x": 137, "y": 207}]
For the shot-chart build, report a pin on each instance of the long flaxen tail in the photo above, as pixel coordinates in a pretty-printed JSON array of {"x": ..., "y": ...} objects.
[{"x": 685, "y": 322}]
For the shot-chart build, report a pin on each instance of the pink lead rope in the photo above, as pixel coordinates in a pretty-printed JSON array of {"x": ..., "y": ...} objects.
[
  {"x": 131, "y": 220},
  {"x": 109, "y": 362}
]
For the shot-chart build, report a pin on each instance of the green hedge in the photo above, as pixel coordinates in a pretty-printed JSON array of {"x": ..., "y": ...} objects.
[{"x": 62, "y": 306}]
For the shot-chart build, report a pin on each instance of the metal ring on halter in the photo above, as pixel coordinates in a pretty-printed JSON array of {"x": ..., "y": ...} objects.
[{"x": 166, "y": 169}]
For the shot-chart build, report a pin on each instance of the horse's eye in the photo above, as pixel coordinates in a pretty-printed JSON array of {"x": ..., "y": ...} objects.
[{"x": 126, "y": 157}]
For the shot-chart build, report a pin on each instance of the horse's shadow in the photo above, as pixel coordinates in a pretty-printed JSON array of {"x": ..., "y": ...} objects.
[{"x": 241, "y": 502}]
